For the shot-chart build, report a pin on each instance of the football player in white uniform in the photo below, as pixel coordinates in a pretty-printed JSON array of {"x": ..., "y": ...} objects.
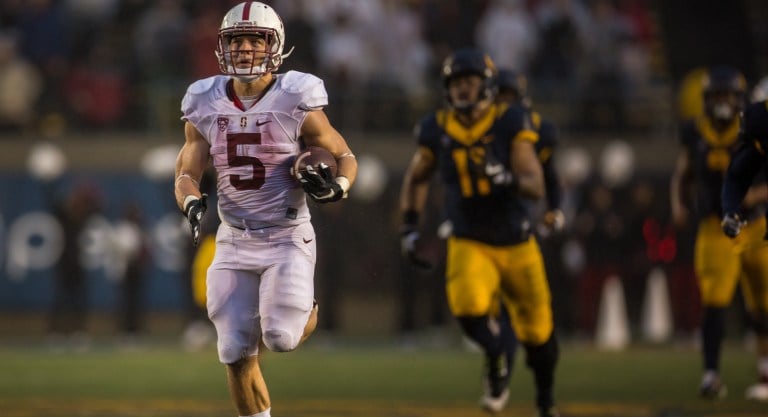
[{"x": 250, "y": 123}]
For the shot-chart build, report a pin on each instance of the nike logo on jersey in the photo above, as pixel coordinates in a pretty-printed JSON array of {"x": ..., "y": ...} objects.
[
  {"x": 260, "y": 122},
  {"x": 307, "y": 241}
]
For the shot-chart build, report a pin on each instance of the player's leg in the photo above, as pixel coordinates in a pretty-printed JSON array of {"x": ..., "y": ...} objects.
[
  {"x": 247, "y": 387},
  {"x": 525, "y": 282},
  {"x": 286, "y": 295},
  {"x": 238, "y": 337},
  {"x": 755, "y": 290},
  {"x": 233, "y": 305},
  {"x": 472, "y": 283},
  {"x": 506, "y": 331},
  {"x": 717, "y": 266},
  {"x": 309, "y": 328}
]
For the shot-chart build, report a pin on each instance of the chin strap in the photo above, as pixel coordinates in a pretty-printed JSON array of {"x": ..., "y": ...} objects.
[{"x": 287, "y": 54}]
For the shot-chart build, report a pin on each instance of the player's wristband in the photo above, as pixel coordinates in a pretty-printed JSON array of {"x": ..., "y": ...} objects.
[
  {"x": 189, "y": 200},
  {"x": 410, "y": 219},
  {"x": 343, "y": 183}
]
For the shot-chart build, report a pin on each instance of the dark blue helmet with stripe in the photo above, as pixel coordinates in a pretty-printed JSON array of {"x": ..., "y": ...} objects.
[
  {"x": 513, "y": 85},
  {"x": 470, "y": 61},
  {"x": 724, "y": 91}
]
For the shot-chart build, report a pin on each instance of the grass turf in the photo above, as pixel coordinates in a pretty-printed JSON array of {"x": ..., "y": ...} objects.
[{"x": 358, "y": 381}]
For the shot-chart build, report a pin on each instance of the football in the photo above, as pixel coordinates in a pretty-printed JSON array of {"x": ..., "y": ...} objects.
[{"x": 314, "y": 156}]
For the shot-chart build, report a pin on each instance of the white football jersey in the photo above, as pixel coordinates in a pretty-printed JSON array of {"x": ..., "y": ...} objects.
[{"x": 252, "y": 149}]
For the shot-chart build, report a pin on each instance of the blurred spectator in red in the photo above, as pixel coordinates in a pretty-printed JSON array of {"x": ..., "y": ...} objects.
[
  {"x": 599, "y": 224},
  {"x": 96, "y": 88},
  {"x": 203, "y": 37}
]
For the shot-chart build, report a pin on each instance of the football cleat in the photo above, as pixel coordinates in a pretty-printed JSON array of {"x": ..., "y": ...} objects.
[
  {"x": 496, "y": 389},
  {"x": 494, "y": 404},
  {"x": 758, "y": 392},
  {"x": 713, "y": 389},
  {"x": 548, "y": 412}
]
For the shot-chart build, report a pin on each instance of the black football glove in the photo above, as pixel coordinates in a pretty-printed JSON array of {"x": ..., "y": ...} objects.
[
  {"x": 732, "y": 224},
  {"x": 194, "y": 211},
  {"x": 321, "y": 185},
  {"x": 409, "y": 240}
]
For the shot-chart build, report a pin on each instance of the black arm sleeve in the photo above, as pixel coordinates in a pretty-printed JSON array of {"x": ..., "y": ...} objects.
[
  {"x": 546, "y": 147},
  {"x": 744, "y": 166}
]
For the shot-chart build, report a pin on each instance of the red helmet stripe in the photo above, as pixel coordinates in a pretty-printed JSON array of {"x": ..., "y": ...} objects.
[{"x": 247, "y": 10}]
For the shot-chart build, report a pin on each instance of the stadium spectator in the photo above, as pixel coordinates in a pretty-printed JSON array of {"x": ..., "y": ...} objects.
[
  {"x": 251, "y": 123},
  {"x": 604, "y": 86},
  {"x": 158, "y": 37},
  {"x": 132, "y": 256},
  {"x": 96, "y": 87},
  {"x": 563, "y": 39},
  {"x": 21, "y": 85},
  {"x": 43, "y": 41},
  {"x": 67, "y": 322},
  {"x": 508, "y": 33},
  {"x": 488, "y": 167}
]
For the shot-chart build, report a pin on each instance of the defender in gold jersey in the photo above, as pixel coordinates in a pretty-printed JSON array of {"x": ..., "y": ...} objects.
[
  {"x": 709, "y": 143},
  {"x": 484, "y": 155}
]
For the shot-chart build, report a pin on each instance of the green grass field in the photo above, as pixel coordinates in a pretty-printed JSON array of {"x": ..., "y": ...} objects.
[{"x": 359, "y": 381}]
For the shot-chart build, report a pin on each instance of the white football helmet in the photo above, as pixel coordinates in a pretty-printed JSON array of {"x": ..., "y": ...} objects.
[{"x": 251, "y": 18}]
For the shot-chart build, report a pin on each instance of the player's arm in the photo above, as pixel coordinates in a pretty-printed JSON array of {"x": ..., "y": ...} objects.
[
  {"x": 413, "y": 198},
  {"x": 744, "y": 166},
  {"x": 190, "y": 164},
  {"x": 554, "y": 219},
  {"x": 318, "y": 131},
  {"x": 526, "y": 168},
  {"x": 679, "y": 188},
  {"x": 548, "y": 143},
  {"x": 415, "y": 187}
]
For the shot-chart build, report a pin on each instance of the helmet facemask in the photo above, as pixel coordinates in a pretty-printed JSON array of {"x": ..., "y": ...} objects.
[
  {"x": 723, "y": 106},
  {"x": 724, "y": 93},
  {"x": 468, "y": 100},
  {"x": 261, "y": 61}
]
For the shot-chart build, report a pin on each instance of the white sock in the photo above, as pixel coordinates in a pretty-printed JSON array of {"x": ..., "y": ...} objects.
[
  {"x": 264, "y": 413},
  {"x": 709, "y": 376}
]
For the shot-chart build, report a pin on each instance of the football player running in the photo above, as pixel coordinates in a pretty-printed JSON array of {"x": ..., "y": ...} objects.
[
  {"x": 513, "y": 89},
  {"x": 740, "y": 192},
  {"x": 484, "y": 154},
  {"x": 709, "y": 143},
  {"x": 250, "y": 123}
]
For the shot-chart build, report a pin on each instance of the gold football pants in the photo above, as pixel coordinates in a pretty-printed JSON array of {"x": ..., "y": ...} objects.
[
  {"x": 721, "y": 262},
  {"x": 477, "y": 273}
]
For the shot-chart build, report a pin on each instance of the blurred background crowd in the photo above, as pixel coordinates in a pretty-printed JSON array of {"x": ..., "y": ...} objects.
[
  {"x": 122, "y": 64},
  {"x": 89, "y": 125}
]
